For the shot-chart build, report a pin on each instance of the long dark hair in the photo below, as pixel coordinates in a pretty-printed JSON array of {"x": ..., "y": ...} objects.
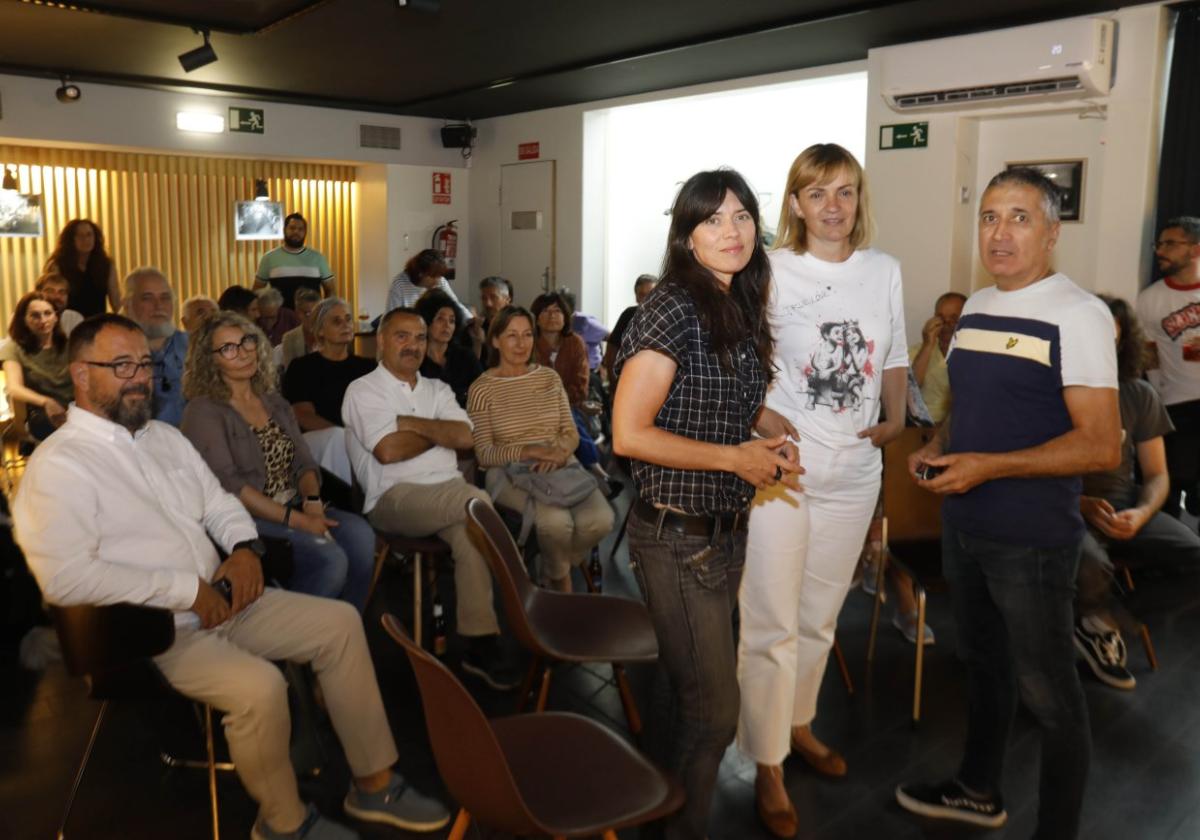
[
  {"x": 65, "y": 259},
  {"x": 742, "y": 312},
  {"x": 1131, "y": 344},
  {"x": 543, "y": 302},
  {"x": 25, "y": 338}
]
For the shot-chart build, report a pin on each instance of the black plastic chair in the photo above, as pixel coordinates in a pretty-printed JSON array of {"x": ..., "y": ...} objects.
[{"x": 111, "y": 647}]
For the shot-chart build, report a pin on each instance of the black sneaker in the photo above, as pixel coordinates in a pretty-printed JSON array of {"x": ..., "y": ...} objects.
[
  {"x": 950, "y": 801},
  {"x": 1103, "y": 649},
  {"x": 485, "y": 659}
]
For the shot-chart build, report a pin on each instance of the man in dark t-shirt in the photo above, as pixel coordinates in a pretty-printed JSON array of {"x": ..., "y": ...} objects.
[{"x": 1124, "y": 517}]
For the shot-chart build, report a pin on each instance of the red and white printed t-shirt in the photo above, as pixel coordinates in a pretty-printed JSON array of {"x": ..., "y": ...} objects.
[
  {"x": 1170, "y": 316},
  {"x": 837, "y": 327}
]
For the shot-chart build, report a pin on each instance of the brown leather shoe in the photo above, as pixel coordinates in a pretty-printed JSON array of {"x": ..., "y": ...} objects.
[
  {"x": 831, "y": 764},
  {"x": 782, "y": 823}
]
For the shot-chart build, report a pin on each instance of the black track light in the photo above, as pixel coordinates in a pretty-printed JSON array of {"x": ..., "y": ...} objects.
[
  {"x": 67, "y": 92},
  {"x": 199, "y": 57}
]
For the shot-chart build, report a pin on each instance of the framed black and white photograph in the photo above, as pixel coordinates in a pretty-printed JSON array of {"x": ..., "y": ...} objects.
[
  {"x": 258, "y": 220},
  {"x": 20, "y": 214},
  {"x": 1068, "y": 177}
]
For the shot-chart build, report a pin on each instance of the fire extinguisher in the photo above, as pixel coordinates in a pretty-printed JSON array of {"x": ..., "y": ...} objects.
[{"x": 445, "y": 242}]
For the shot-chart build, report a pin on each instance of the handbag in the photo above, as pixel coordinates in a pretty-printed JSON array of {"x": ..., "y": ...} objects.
[{"x": 564, "y": 487}]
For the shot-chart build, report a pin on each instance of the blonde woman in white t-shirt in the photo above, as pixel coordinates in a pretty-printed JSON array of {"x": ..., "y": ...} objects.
[{"x": 837, "y": 316}]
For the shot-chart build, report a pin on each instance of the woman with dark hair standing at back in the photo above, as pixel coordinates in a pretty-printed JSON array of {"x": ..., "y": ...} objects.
[
  {"x": 694, "y": 366},
  {"x": 80, "y": 257}
]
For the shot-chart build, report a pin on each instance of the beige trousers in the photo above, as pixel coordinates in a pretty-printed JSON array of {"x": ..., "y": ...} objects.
[
  {"x": 418, "y": 510},
  {"x": 565, "y": 535},
  {"x": 230, "y": 667}
]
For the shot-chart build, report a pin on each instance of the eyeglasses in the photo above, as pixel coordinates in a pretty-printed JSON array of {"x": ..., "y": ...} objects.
[
  {"x": 229, "y": 350},
  {"x": 1171, "y": 243},
  {"x": 124, "y": 370}
]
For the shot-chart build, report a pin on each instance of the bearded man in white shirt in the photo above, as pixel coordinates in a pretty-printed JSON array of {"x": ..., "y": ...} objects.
[{"x": 119, "y": 508}]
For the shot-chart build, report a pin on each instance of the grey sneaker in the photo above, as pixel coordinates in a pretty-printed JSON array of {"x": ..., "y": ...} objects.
[
  {"x": 397, "y": 804},
  {"x": 314, "y": 827}
]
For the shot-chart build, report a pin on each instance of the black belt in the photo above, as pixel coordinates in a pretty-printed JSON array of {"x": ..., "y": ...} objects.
[{"x": 710, "y": 525}]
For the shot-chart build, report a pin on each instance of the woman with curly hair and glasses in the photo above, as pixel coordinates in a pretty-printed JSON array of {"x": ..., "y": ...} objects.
[{"x": 249, "y": 436}]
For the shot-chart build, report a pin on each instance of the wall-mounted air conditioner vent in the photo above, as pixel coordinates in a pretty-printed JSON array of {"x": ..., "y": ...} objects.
[
  {"x": 1065, "y": 58},
  {"x": 378, "y": 136}
]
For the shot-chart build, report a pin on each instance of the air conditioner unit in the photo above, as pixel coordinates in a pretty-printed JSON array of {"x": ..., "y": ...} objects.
[{"x": 1064, "y": 58}]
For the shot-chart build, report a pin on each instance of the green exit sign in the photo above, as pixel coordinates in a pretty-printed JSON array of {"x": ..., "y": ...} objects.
[
  {"x": 246, "y": 120},
  {"x": 904, "y": 136}
]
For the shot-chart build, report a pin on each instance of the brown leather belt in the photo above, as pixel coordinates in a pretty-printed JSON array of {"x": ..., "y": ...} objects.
[{"x": 711, "y": 525}]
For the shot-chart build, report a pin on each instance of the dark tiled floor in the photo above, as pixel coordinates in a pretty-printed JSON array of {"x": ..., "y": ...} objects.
[{"x": 1145, "y": 774}]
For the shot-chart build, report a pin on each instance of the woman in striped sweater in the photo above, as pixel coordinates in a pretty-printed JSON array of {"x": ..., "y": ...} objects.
[{"x": 521, "y": 415}]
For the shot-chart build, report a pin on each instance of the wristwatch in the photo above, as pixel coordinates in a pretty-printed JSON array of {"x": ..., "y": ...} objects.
[{"x": 256, "y": 545}]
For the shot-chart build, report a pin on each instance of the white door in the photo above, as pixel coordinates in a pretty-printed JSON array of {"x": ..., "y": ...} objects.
[{"x": 527, "y": 228}]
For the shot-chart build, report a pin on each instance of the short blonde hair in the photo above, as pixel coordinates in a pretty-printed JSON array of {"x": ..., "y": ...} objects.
[
  {"x": 816, "y": 165},
  {"x": 202, "y": 377}
]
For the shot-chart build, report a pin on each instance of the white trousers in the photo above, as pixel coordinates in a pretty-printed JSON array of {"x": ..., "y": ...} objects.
[
  {"x": 800, "y": 558},
  {"x": 328, "y": 448}
]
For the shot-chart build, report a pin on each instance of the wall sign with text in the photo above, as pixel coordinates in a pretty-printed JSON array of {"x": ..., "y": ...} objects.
[{"x": 529, "y": 151}]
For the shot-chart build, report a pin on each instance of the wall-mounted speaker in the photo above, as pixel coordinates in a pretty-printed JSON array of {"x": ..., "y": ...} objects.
[{"x": 458, "y": 136}]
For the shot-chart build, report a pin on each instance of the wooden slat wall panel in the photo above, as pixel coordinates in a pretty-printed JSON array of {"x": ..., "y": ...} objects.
[{"x": 176, "y": 213}]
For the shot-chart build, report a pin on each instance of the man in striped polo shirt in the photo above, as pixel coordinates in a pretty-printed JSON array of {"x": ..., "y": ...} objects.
[
  {"x": 1033, "y": 374},
  {"x": 293, "y": 265}
]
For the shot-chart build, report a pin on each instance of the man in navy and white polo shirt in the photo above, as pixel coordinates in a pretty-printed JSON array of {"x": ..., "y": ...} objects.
[{"x": 1033, "y": 373}]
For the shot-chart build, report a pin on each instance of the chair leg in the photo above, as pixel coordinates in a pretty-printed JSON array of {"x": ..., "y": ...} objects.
[
  {"x": 879, "y": 582},
  {"x": 1149, "y": 646},
  {"x": 841, "y": 661},
  {"x": 612, "y": 555},
  {"x": 527, "y": 683},
  {"x": 416, "y": 561},
  {"x": 920, "y": 666},
  {"x": 87, "y": 754},
  {"x": 544, "y": 691},
  {"x": 610, "y": 835},
  {"x": 1128, "y": 578},
  {"x": 461, "y": 823},
  {"x": 588, "y": 582},
  {"x": 627, "y": 702},
  {"x": 212, "y": 772}
]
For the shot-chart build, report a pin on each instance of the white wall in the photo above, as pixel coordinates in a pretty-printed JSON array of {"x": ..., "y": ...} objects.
[
  {"x": 917, "y": 193},
  {"x": 139, "y": 119},
  {"x": 397, "y": 218},
  {"x": 561, "y": 132}
]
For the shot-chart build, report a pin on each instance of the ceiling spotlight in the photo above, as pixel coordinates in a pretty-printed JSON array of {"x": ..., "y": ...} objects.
[
  {"x": 427, "y": 6},
  {"x": 199, "y": 57},
  {"x": 260, "y": 190},
  {"x": 67, "y": 93},
  {"x": 10, "y": 179}
]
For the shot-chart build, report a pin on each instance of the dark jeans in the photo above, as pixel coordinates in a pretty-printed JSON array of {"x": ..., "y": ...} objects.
[
  {"x": 338, "y": 568},
  {"x": 1183, "y": 452},
  {"x": 1013, "y": 613},
  {"x": 1163, "y": 541},
  {"x": 695, "y": 708}
]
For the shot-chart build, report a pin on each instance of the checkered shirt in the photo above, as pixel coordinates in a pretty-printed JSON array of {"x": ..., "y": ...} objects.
[{"x": 706, "y": 402}]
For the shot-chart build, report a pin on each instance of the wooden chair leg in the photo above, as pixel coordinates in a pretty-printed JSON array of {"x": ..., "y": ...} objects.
[
  {"x": 544, "y": 691},
  {"x": 587, "y": 578},
  {"x": 527, "y": 683},
  {"x": 841, "y": 661},
  {"x": 87, "y": 754},
  {"x": 212, "y": 772},
  {"x": 610, "y": 835},
  {"x": 627, "y": 702},
  {"x": 1149, "y": 646},
  {"x": 920, "y": 666},
  {"x": 880, "y": 579},
  {"x": 380, "y": 559},
  {"x": 417, "y": 599},
  {"x": 461, "y": 823},
  {"x": 1128, "y": 578}
]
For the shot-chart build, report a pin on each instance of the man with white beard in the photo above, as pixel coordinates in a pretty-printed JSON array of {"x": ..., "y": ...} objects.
[{"x": 150, "y": 302}]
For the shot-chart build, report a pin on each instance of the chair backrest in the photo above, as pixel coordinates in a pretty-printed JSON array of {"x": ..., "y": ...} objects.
[
  {"x": 468, "y": 756},
  {"x": 113, "y": 644},
  {"x": 504, "y": 558}
]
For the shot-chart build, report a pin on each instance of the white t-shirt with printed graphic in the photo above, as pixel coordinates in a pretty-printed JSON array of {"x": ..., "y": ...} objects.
[
  {"x": 837, "y": 327},
  {"x": 1170, "y": 317}
]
